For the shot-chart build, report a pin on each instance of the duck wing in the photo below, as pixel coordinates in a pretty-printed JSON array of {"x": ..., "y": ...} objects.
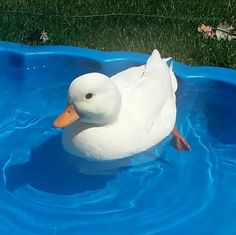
[
  {"x": 128, "y": 78},
  {"x": 131, "y": 77},
  {"x": 146, "y": 89}
]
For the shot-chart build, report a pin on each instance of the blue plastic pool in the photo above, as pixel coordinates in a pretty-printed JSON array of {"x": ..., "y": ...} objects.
[{"x": 41, "y": 193}]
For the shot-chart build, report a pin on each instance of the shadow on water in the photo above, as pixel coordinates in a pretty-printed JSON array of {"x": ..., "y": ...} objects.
[
  {"x": 221, "y": 114},
  {"x": 50, "y": 171}
]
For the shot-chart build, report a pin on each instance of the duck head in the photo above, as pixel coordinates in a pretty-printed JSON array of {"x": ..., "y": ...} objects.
[{"x": 92, "y": 98}]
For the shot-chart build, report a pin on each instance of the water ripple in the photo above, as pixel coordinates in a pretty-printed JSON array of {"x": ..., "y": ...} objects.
[{"x": 159, "y": 191}]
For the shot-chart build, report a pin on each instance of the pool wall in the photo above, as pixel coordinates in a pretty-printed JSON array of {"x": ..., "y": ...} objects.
[{"x": 109, "y": 63}]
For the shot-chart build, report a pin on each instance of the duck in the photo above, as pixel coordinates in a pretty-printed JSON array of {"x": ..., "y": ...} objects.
[{"x": 109, "y": 118}]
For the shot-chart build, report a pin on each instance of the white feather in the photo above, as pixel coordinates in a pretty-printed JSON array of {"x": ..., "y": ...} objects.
[{"x": 146, "y": 115}]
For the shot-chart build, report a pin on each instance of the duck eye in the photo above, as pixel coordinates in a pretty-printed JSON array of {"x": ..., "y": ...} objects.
[{"x": 89, "y": 96}]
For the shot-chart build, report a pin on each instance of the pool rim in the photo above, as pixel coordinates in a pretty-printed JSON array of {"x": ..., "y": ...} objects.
[{"x": 181, "y": 70}]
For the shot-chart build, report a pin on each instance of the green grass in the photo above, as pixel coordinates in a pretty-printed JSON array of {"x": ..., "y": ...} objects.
[{"x": 173, "y": 37}]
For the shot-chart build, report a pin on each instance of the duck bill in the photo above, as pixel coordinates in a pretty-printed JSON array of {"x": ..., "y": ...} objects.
[{"x": 69, "y": 116}]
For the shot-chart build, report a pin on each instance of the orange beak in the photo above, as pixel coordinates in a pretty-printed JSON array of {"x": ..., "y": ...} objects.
[{"x": 69, "y": 116}]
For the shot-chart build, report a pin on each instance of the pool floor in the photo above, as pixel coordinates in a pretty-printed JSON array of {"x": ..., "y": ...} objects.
[{"x": 169, "y": 193}]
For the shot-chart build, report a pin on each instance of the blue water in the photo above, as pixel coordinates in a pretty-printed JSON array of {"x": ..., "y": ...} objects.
[{"x": 161, "y": 191}]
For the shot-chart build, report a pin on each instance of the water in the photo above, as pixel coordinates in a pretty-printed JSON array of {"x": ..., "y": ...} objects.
[{"x": 170, "y": 193}]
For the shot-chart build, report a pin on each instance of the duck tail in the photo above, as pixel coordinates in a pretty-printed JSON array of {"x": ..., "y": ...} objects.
[
  {"x": 156, "y": 59},
  {"x": 153, "y": 60}
]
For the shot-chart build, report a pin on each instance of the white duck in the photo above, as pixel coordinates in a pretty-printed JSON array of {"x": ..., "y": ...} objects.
[{"x": 112, "y": 118}]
